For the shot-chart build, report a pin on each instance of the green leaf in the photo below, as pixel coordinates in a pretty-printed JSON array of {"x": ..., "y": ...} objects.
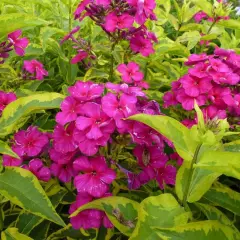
[
  {"x": 22, "y": 188},
  {"x": 192, "y": 38},
  {"x": 205, "y": 6},
  {"x": 231, "y": 23},
  {"x": 212, "y": 213},
  {"x": 27, "y": 221},
  {"x": 232, "y": 146},
  {"x": 16, "y": 112},
  {"x": 13, "y": 21},
  {"x": 162, "y": 211},
  {"x": 69, "y": 232},
  {"x": 205, "y": 230},
  {"x": 190, "y": 27},
  {"x": 122, "y": 212},
  {"x": 227, "y": 163},
  {"x": 173, "y": 130},
  {"x": 94, "y": 73},
  {"x": 48, "y": 32},
  {"x": 202, "y": 180},
  {"x": 222, "y": 196},
  {"x": 13, "y": 234},
  {"x": 5, "y": 149}
]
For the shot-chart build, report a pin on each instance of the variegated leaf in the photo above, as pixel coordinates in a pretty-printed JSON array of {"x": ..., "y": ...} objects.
[
  {"x": 22, "y": 188},
  {"x": 15, "y": 114}
]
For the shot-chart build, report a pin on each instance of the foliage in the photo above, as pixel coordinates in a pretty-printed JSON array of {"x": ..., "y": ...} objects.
[{"x": 119, "y": 119}]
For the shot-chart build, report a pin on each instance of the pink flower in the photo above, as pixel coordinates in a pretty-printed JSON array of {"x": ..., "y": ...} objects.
[
  {"x": 220, "y": 96},
  {"x": 60, "y": 158},
  {"x": 169, "y": 99},
  {"x": 142, "y": 134},
  {"x": 198, "y": 17},
  {"x": 212, "y": 112},
  {"x": 29, "y": 142},
  {"x": 38, "y": 169},
  {"x": 64, "y": 172},
  {"x": 70, "y": 110},
  {"x": 144, "y": 10},
  {"x": 150, "y": 156},
  {"x": 114, "y": 22},
  {"x": 130, "y": 72},
  {"x": 189, "y": 123},
  {"x": 177, "y": 158},
  {"x": 95, "y": 121},
  {"x": 218, "y": 65},
  {"x": 166, "y": 175},
  {"x": 70, "y": 35},
  {"x": 194, "y": 86},
  {"x": 63, "y": 138},
  {"x": 5, "y": 99},
  {"x": 88, "y": 218},
  {"x": 119, "y": 109},
  {"x": 79, "y": 57},
  {"x": 85, "y": 91},
  {"x": 36, "y": 68},
  {"x": 95, "y": 177},
  {"x": 12, "y": 161},
  {"x": 188, "y": 101},
  {"x": 103, "y": 2},
  {"x": 139, "y": 44},
  {"x": 19, "y": 43},
  {"x": 196, "y": 58},
  {"x": 81, "y": 8}
]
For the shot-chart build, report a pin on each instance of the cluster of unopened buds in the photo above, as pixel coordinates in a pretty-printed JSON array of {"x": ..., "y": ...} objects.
[
  {"x": 212, "y": 82},
  {"x": 117, "y": 19},
  {"x": 92, "y": 117}
]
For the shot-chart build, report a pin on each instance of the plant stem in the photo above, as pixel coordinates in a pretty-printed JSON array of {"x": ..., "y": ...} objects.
[
  {"x": 212, "y": 25},
  {"x": 184, "y": 202},
  {"x": 70, "y": 46},
  {"x": 111, "y": 62}
]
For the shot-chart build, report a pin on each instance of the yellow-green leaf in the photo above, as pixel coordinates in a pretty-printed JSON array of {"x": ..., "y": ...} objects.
[
  {"x": 227, "y": 163},
  {"x": 121, "y": 211},
  {"x": 213, "y": 213},
  {"x": 13, "y": 234},
  {"x": 173, "y": 130},
  {"x": 161, "y": 211},
  {"x": 15, "y": 114},
  {"x": 5, "y": 149},
  {"x": 13, "y": 21},
  {"x": 22, "y": 188},
  {"x": 205, "y": 230},
  {"x": 69, "y": 232},
  {"x": 27, "y": 221},
  {"x": 223, "y": 196}
]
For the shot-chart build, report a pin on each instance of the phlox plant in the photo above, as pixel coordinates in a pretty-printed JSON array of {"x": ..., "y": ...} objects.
[{"x": 119, "y": 120}]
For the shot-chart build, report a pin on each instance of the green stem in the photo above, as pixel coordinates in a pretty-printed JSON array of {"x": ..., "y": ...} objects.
[
  {"x": 194, "y": 160},
  {"x": 212, "y": 25},
  {"x": 70, "y": 46},
  {"x": 111, "y": 62}
]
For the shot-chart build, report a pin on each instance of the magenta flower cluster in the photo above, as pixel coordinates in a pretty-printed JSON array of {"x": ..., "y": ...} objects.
[
  {"x": 212, "y": 82},
  {"x": 30, "y": 145},
  {"x": 117, "y": 19}
]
